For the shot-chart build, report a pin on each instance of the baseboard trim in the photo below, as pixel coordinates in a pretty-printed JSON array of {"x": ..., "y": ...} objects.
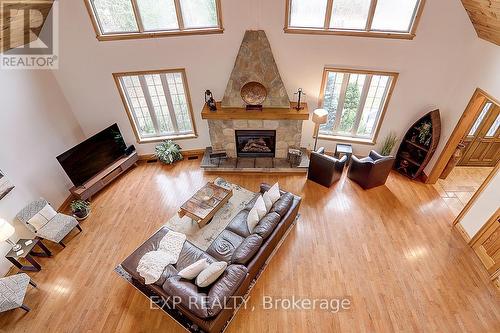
[
  {"x": 12, "y": 270},
  {"x": 193, "y": 152},
  {"x": 463, "y": 233},
  {"x": 424, "y": 177},
  {"x": 66, "y": 203},
  {"x": 185, "y": 153},
  {"x": 146, "y": 157}
]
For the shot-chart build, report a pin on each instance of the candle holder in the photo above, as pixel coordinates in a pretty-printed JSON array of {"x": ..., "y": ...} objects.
[{"x": 300, "y": 95}]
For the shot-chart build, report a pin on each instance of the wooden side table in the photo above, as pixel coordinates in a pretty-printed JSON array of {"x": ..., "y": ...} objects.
[
  {"x": 343, "y": 149},
  {"x": 28, "y": 254}
]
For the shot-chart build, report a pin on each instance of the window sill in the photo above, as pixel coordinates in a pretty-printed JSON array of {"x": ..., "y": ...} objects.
[
  {"x": 354, "y": 33},
  {"x": 170, "y": 137},
  {"x": 142, "y": 35},
  {"x": 347, "y": 139}
]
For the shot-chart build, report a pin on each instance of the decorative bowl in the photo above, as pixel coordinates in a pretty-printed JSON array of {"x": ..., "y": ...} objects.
[
  {"x": 253, "y": 93},
  {"x": 205, "y": 194}
]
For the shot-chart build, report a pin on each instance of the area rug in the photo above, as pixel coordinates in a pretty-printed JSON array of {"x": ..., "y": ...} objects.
[{"x": 203, "y": 237}]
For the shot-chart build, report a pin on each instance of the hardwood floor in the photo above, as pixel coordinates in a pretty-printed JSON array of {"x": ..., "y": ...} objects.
[
  {"x": 460, "y": 185},
  {"x": 390, "y": 250}
]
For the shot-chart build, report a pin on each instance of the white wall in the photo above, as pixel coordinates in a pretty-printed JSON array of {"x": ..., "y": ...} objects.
[
  {"x": 440, "y": 68},
  {"x": 483, "y": 208},
  {"x": 36, "y": 124},
  {"x": 480, "y": 72},
  {"x": 486, "y": 76},
  {"x": 429, "y": 65}
]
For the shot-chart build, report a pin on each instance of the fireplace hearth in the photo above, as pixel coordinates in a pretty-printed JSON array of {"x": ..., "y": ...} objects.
[{"x": 255, "y": 143}]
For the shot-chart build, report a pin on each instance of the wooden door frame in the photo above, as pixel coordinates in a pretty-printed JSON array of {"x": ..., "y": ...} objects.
[
  {"x": 478, "y": 237},
  {"x": 478, "y": 138},
  {"x": 485, "y": 227},
  {"x": 464, "y": 124},
  {"x": 476, "y": 195}
]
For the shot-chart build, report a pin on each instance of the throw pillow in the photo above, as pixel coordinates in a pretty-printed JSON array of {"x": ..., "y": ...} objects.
[
  {"x": 38, "y": 221},
  {"x": 48, "y": 212},
  {"x": 271, "y": 196},
  {"x": 267, "y": 200},
  {"x": 210, "y": 274},
  {"x": 252, "y": 219},
  {"x": 194, "y": 269},
  {"x": 261, "y": 207}
]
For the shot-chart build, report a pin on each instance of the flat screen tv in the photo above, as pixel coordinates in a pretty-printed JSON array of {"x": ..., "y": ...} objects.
[{"x": 93, "y": 155}]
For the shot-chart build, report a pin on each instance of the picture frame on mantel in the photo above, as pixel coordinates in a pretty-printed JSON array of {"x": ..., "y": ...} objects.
[{"x": 5, "y": 185}]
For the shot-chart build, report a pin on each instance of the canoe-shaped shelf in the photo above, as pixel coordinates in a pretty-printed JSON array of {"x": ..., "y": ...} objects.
[{"x": 418, "y": 145}]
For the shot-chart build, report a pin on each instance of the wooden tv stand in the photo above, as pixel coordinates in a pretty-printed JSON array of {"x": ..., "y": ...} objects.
[{"x": 99, "y": 181}]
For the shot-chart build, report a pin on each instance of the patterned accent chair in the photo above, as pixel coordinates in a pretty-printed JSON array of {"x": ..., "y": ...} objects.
[
  {"x": 12, "y": 291},
  {"x": 55, "y": 230}
]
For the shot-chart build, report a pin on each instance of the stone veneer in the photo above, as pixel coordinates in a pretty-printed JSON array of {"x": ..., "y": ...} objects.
[
  {"x": 255, "y": 62},
  {"x": 288, "y": 133}
]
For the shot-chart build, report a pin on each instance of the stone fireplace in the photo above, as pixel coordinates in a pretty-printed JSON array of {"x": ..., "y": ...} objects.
[
  {"x": 223, "y": 134},
  {"x": 255, "y": 139}
]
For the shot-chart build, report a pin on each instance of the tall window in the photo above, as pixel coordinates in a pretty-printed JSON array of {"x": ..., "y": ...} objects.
[
  {"x": 479, "y": 119},
  {"x": 115, "y": 19},
  {"x": 158, "y": 104},
  {"x": 377, "y": 18},
  {"x": 356, "y": 102}
]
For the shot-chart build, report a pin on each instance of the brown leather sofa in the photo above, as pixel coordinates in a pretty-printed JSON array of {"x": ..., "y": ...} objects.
[
  {"x": 324, "y": 169},
  {"x": 371, "y": 171},
  {"x": 245, "y": 252}
]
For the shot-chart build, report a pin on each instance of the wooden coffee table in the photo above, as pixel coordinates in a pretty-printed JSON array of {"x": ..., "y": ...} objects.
[{"x": 203, "y": 205}]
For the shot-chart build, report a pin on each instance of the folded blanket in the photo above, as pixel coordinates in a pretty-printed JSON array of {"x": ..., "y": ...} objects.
[{"x": 153, "y": 263}]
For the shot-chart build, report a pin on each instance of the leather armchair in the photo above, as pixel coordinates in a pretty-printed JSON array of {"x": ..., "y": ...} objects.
[
  {"x": 371, "y": 171},
  {"x": 325, "y": 170}
]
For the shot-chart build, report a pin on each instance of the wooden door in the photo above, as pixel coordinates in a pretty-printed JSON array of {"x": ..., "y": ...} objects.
[
  {"x": 483, "y": 140},
  {"x": 486, "y": 244}
]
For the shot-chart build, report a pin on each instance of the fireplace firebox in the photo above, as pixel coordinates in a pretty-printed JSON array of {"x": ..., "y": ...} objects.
[{"x": 255, "y": 143}]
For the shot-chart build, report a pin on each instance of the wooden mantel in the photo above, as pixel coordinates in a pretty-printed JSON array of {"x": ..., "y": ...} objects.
[{"x": 265, "y": 114}]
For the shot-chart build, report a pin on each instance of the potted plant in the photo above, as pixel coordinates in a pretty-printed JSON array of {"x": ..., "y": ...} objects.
[
  {"x": 80, "y": 209},
  {"x": 424, "y": 134},
  {"x": 388, "y": 144},
  {"x": 168, "y": 152}
]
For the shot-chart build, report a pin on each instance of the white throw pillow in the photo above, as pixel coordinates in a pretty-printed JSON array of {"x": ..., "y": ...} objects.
[
  {"x": 261, "y": 207},
  {"x": 48, "y": 212},
  {"x": 267, "y": 200},
  {"x": 252, "y": 219},
  {"x": 210, "y": 274},
  {"x": 194, "y": 269},
  {"x": 271, "y": 196},
  {"x": 38, "y": 221}
]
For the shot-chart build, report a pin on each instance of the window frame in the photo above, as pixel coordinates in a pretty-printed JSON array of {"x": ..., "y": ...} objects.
[
  {"x": 388, "y": 94},
  {"x": 152, "y": 34},
  {"x": 326, "y": 30},
  {"x": 131, "y": 116},
  {"x": 485, "y": 109},
  {"x": 497, "y": 127}
]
